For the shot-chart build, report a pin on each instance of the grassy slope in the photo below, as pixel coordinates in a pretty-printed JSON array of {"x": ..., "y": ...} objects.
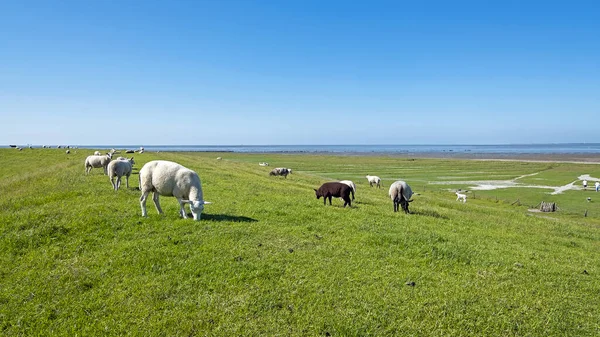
[{"x": 269, "y": 259}]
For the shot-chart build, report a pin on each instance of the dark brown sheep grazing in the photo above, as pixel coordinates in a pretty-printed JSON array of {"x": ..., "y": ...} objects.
[{"x": 334, "y": 189}]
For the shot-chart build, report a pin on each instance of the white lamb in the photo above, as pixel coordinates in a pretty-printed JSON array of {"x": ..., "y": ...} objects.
[
  {"x": 171, "y": 179},
  {"x": 119, "y": 168},
  {"x": 374, "y": 180},
  {"x": 400, "y": 193},
  {"x": 352, "y": 186},
  {"x": 461, "y": 196},
  {"x": 97, "y": 161}
]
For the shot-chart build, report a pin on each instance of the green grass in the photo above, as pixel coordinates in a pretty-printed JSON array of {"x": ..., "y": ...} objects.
[{"x": 267, "y": 258}]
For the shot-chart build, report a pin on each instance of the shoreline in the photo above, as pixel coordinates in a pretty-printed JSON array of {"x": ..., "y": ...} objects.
[{"x": 579, "y": 158}]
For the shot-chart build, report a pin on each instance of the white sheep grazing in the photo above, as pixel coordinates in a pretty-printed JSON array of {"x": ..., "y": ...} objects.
[
  {"x": 400, "y": 193},
  {"x": 374, "y": 180},
  {"x": 352, "y": 186},
  {"x": 119, "y": 168},
  {"x": 219, "y": 158},
  {"x": 97, "y": 161},
  {"x": 68, "y": 151},
  {"x": 97, "y": 153},
  {"x": 171, "y": 179},
  {"x": 461, "y": 196},
  {"x": 263, "y": 164}
]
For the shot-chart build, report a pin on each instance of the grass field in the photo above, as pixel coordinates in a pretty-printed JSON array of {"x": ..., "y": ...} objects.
[{"x": 268, "y": 259}]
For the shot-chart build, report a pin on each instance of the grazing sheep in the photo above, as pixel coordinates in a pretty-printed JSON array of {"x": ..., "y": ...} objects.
[
  {"x": 400, "y": 193},
  {"x": 68, "y": 151},
  {"x": 280, "y": 171},
  {"x": 97, "y": 161},
  {"x": 119, "y": 168},
  {"x": 219, "y": 158},
  {"x": 351, "y": 185},
  {"x": 461, "y": 196},
  {"x": 334, "y": 189},
  {"x": 374, "y": 180},
  {"x": 263, "y": 164},
  {"x": 171, "y": 179},
  {"x": 97, "y": 153}
]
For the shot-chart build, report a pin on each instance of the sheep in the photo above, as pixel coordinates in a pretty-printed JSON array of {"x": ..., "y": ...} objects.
[
  {"x": 97, "y": 161},
  {"x": 351, "y": 185},
  {"x": 130, "y": 160},
  {"x": 263, "y": 164},
  {"x": 68, "y": 151},
  {"x": 461, "y": 196},
  {"x": 374, "y": 180},
  {"x": 97, "y": 153},
  {"x": 400, "y": 193},
  {"x": 219, "y": 158},
  {"x": 119, "y": 168},
  {"x": 171, "y": 179},
  {"x": 334, "y": 189},
  {"x": 280, "y": 171}
]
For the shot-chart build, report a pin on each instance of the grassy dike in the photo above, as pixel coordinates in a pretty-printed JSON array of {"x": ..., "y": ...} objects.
[{"x": 268, "y": 259}]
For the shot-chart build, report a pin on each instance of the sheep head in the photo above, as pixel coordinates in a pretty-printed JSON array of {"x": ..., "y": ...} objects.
[{"x": 196, "y": 206}]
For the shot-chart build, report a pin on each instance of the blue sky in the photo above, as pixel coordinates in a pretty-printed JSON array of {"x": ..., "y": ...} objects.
[{"x": 299, "y": 72}]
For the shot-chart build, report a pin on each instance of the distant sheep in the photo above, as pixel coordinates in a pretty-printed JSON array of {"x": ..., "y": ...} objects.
[
  {"x": 400, "y": 193},
  {"x": 119, "y": 168},
  {"x": 351, "y": 185},
  {"x": 171, "y": 179},
  {"x": 374, "y": 180},
  {"x": 263, "y": 164},
  {"x": 334, "y": 189},
  {"x": 97, "y": 161},
  {"x": 68, "y": 151},
  {"x": 97, "y": 153},
  {"x": 280, "y": 171},
  {"x": 461, "y": 196},
  {"x": 219, "y": 158}
]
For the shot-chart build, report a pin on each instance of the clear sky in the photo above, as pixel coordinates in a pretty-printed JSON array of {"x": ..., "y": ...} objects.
[{"x": 299, "y": 72}]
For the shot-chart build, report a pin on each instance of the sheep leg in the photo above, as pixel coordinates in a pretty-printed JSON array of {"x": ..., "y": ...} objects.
[
  {"x": 118, "y": 183},
  {"x": 112, "y": 183},
  {"x": 155, "y": 196},
  {"x": 127, "y": 180},
  {"x": 143, "y": 203},
  {"x": 352, "y": 194},
  {"x": 182, "y": 209},
  {"x": 329, "y": 200}
]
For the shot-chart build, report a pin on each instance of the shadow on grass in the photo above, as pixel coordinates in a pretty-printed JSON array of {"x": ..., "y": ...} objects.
[
  {"x": 225, "y": 217},
  {"x": 430, "y": 213}
]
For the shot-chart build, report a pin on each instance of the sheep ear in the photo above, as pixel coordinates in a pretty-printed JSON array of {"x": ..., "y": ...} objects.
[
  {"x": 315, "y": 190},
  {"x": 207, "y": 202}
]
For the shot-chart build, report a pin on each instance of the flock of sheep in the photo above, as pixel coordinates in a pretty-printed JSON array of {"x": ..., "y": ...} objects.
[{"x": 168, "y": 178}]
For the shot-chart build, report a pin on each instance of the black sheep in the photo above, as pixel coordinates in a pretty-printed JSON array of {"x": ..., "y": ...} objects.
[{"x": 334, "y": 189}]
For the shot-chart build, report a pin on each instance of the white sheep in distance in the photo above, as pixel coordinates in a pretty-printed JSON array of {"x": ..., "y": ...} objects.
[
  {"x": 400, "y": 193},
  {"x": 263, "y": 164},
  {"x": 119, "y": 168},
  {"x": 374, "y": 180},
  {"x": 280, "y": 171},
  {"x": 97, "y": 161},
  {"x": 171, "y": 179},
  {"x": 351, "y": 185},
  {"x": 461, "y": 196}
]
